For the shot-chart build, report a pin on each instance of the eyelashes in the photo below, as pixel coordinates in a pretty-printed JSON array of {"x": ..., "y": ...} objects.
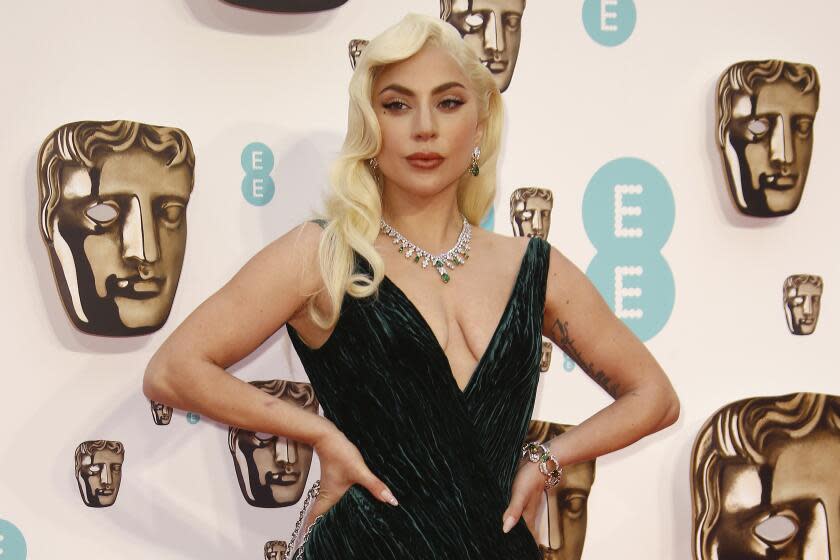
[{"x": 449, "y": 103}]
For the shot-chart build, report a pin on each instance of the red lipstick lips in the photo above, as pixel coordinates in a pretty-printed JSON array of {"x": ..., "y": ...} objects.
[{"x": 425, "y": 160}]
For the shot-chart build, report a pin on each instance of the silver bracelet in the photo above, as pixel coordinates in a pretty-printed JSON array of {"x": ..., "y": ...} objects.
[{"x": 536, "y": 452}]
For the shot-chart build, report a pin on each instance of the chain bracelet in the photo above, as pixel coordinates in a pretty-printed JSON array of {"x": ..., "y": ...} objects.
[
  {"x": 314, "y": 490},
  {"x": 536, "y": 452}
]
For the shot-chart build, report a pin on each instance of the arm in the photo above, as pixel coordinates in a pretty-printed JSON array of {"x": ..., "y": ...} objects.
[
  {"x": 580, "y": 322},
  {"x": 188, "y": 370}
]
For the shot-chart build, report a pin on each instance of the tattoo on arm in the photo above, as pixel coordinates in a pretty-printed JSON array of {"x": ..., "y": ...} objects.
[{"x": 567, "y": 344}]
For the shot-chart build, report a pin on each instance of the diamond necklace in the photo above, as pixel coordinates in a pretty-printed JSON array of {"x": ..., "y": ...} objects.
[{"x": 457, "y": 255}]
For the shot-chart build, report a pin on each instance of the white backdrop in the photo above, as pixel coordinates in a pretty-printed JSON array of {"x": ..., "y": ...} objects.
[{"x": 230, "y": 77}]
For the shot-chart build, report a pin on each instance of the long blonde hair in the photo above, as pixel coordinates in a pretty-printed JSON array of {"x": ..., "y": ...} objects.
[{"x": 353, "y": 207}]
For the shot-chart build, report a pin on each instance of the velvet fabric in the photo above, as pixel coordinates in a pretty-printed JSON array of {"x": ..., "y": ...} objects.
[{"x": 448, "y": 456}]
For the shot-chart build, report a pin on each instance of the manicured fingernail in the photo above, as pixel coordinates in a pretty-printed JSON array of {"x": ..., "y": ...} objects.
[
  {"x": 388, "y": 497},
  {"x": 509, "y": 523}
]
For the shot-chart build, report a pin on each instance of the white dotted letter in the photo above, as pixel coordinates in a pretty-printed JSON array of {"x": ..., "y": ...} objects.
[
  {"x": 605, "y": 15},
  {"x": 621, "y": 292},
  {"x": 256, "y": 161},
  {"x": 257, "y": 187},
  {"x": 620, "y": 210}
]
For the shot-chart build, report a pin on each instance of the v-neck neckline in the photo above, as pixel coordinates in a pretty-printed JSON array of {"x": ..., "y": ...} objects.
[{"x": 493, "y": 339}]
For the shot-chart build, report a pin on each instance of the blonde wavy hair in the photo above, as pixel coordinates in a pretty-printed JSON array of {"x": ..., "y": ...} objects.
[{"x": 354, "y": 205}]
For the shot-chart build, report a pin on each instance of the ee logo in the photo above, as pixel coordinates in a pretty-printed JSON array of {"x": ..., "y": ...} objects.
[
  {"x": 193, "y": 417},
  {"x": 257, "y": 185},
  {"x": 628, "y": 214},
  {"x": 12, "y": 543},
  {"x": 609, "y": 22}
]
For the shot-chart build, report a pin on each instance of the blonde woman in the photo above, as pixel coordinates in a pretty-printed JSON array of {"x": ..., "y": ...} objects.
[{"x": 420, "y": 333}]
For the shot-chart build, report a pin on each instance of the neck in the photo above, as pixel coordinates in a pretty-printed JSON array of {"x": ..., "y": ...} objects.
[{"x": 431, "y": 222}]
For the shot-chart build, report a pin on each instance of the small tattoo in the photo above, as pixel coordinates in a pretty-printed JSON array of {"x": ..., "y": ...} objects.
[{"x": 565, "y": 341}]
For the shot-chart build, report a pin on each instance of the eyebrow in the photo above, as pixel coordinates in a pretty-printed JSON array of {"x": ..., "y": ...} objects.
[{"x": 405, "y": 91}]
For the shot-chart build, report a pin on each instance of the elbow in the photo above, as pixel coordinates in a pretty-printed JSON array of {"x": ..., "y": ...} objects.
[
  {"x": 671, "y": 409},
  {"x": 156, "y": 386}
]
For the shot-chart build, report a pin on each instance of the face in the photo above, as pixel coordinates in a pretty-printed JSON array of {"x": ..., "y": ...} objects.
[
  {"x": 161, "y": 413},
  {"x": 492, "y": 29},
  {"x": 99, "y": 478},
  {"x": 768, "y": 148},
  {"x": 545, "y": 358},
  {"x": 118, "y": 248},
  {"x": 274, "y": 550},
  {"x": 789, "y": 512},
  {"x": 428, "y": 117},
  {"x": 567, "y": 513},
  {"x": 531, "y": 214},
  {"x": 271, "y": 470},
  {"x": 802, "y": 307}
]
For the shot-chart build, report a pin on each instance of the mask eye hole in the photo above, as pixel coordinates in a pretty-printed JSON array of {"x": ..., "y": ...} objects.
[
  {"x": 758, "y": 127},
  {"x": 102, "y": 213},
  {"x": 776, "y": 529},
  {"x": 474, "y": 21}
]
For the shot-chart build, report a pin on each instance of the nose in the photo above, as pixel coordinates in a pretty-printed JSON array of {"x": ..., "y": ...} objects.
[
  {"x": 536, "y": 221},
  {"x": 106, "y": 478},
  {"x": 285, "y": 451},
  {"x": 494, "y": 35},
  {"x": 781, "y": 142},
  {"x": 138, "y": 235},
  {"x": 425, "y": 123},
  {"x": 808, "y": 307}
]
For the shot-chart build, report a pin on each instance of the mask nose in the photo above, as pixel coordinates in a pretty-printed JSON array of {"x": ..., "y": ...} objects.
[
  {"x": 494, "y": 36},
  {"x": 781, "y": 143},
  {"x": 138, "y": 233}
]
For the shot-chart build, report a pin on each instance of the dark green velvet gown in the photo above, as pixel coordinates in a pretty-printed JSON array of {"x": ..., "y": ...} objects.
[{"x": 448, "y": 456}]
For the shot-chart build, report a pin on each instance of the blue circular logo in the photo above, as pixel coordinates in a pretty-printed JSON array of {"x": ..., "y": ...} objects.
[
  {"x": 257, "y": 186},
  {"x": 609, "y": 22},
  {"x": 628, "y": 215},
  {"x": 193, "y": 417},
  {"x": 12, "y": 543}
]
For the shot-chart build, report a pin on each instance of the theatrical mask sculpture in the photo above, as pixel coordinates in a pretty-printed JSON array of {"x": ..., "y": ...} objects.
[
  {"x": 274, "y": 550},
  {"x": 98, "y": 467},
  {"x": 566, "y": 503},
  {"x": 802, "y": 294},
  {"x": 530, "y": 216},
  {"x": 492, "y": 29},
  {"x": 764, "y": 480},
  {"x": 766, "y": 111},
  {"x": 113, "y": 200},
  {"x": 272, "y": 470},
  {"x": 161, "y": 414},
  {"x": 355, "y": 49},
  {"x": 288, "y": 6}
]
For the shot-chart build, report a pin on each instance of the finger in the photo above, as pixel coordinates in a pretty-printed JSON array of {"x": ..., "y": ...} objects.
[
  {"x": 513, "y": 511},
  {"x": 378, "y": 488}
]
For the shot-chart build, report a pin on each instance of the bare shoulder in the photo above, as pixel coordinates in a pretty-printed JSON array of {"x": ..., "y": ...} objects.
[{"x": 508, "y": 247}]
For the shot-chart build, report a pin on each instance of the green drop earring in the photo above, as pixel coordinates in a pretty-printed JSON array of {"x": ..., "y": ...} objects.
[{"x": 474, "y": 167}]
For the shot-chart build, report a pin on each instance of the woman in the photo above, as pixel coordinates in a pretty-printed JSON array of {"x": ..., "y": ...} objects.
[{"x": 427, "y": 375}]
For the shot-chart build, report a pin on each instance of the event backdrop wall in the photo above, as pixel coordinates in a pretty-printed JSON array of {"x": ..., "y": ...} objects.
[{"x": 595, "y": 101}]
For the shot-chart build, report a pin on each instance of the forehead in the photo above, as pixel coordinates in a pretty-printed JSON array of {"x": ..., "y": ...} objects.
[
  {"x": 780, "y": 97},
  {"x": 807, "y": 288},
  {"x": 430, "y": 67},
  {"x": 106, "y": 456},
  {"x": 494, "y": 5}
]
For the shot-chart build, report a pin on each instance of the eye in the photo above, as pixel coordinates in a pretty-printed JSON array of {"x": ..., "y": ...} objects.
[
  {"x": 575, "y": 506},
  {"x": 395, "y": 105},
  {"x": 172, "y": 212},
  {"x": 103, "y": 213},
  {"x": 527, "y": 214},
  {"x": 262, "y": 436},
  {"x": 512, "y": 21},
  {"x": 803, "y": 126},
  {"x": 94, "y": 469},
  {"x": 452, "y": 103},
  {"x": 776, "y": 529},
  {"x": 473, "y": 22},
  {"x": 758, "y": 127},
  {"x": 116, "y": 467},
  {"x": 798, "y": 300}
]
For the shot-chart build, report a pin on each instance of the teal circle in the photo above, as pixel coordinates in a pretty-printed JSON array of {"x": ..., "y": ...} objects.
[
  {"x": 656, "y": 283},
  {"x": 489, "y": 221},
  {"x": 600, "y": 206},
  {"x": 193, "y": 417},
  {"x": 609, "y": 22},
  {"x": 12, "y": 543},
  {"x": 568, "y": 363},
  {"x": 257, "y": 159},
  {"x": 258, "y": 190}
]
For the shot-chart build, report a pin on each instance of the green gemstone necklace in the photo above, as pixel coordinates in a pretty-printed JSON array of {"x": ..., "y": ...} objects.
[{"x": 455, "y": 256}]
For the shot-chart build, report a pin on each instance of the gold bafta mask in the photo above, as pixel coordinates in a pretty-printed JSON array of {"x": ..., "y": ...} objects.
[
  {"x": 545, "y": 357},
  {"x": 272, "y": 470},
  {"x": 113, "y": 200},
  {"x": 530, "y": 211},
  {"x": 492, "y": 29},
  {"x": 355, "y": 49},
  {"x": 764, "y": 480},
  {"x": 99, "y": 471},
  {"x": 567, "y": 502},
  {"x": 802, "y": 294},
  {"x": 274, "y": 550},
  {"x": 288, "y": 6},
  {"x": 161, "y": 413},
  {"x": 766, "y": 111}
]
